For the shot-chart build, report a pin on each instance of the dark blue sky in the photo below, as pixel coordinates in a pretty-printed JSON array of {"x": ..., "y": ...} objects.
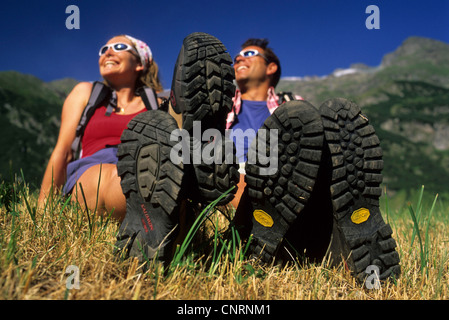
[{"x": 311, "y": 37}]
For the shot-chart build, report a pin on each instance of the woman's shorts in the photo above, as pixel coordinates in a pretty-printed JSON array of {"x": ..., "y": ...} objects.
[{"x": 76, "y": 168}]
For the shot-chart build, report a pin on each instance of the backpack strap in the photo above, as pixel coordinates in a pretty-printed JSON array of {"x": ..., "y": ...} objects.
[
  {"x": 112, "y": 106},
  {"x": 98, "y": 94},
  {"x": 164, "y": 96},
  {"x": 148, "y": 97},
  {"x": 285, "y": 96}
]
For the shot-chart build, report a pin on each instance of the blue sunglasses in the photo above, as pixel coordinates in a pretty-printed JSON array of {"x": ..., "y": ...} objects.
[
  {"x": 248, "y": 53},
  {"x": 117, "y": 47}
]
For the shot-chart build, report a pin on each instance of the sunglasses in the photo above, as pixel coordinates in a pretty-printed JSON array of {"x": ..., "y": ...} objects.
[
  {"x": 248, "y": 53},
  {"x": 117, "y": 47}
]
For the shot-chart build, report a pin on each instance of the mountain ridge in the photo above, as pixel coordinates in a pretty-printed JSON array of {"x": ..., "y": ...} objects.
[{"x": 407, "y": 100}]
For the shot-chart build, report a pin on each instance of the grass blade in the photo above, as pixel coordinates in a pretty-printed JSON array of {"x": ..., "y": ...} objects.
[{"x": 418, "y": 233}]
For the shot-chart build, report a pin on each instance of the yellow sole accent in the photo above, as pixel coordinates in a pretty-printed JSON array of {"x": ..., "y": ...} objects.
[
  {"x": 360, "y": 215},
  {"x": 263, "y": 218}
]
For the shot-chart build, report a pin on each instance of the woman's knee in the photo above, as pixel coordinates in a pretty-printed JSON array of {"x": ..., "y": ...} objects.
[{"x": 100, "y": 188}]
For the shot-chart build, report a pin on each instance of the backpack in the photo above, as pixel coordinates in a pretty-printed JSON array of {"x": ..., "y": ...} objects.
[
  {"x": 287, "y": 96},
  {"x": 100, "y": 93}
]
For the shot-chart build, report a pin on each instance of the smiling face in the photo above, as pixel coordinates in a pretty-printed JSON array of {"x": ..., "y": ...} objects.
[
  {"x": 250, "y": 68},
  {"x": 123, "y": 66},
  {"x": 253, "y": 71}
]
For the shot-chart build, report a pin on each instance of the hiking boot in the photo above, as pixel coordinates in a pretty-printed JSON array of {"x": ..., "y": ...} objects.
[
  {"x": 152, "y": 185},
  {"x": 278, "y": 195},
  {"x": 202, "y": 91},
  {"x": 360, "y": 236}
]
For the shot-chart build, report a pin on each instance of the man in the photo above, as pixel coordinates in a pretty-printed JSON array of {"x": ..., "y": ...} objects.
[
  {"x": 257, "y": 72},
  {"x": 322, "y": 195}
]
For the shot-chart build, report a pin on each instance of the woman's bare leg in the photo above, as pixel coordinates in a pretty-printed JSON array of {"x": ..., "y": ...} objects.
[{"x": 106, "y": 195}]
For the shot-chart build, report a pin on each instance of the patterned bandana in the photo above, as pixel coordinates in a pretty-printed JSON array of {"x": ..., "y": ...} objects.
[{"x": 144, "y": 51}]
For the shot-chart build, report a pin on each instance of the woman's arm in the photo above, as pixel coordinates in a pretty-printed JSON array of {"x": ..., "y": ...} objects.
[{"x": 55, "y": 173}]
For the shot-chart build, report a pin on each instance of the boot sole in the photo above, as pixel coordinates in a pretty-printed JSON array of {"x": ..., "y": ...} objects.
[
  {"x": 202, "y": 86},
  {"x": 360, "y": 236},
  {"x": 202, "y": 90},
  {"x": 151, "y": 184},
  {"x": 279, "y": 198}
]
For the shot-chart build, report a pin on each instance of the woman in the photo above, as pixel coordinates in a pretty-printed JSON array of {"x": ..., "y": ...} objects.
[{"x": 125, "y": 64}]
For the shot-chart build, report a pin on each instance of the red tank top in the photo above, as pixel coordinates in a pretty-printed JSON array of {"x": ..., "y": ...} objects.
[{"x": 102, "y": 131}]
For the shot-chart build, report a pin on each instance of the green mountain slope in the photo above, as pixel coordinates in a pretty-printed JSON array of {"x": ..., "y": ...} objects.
[
  {"x": 407, "y": 101},
  {"x": 29, "y": 124},
  {"x": 413, "y": 127}
]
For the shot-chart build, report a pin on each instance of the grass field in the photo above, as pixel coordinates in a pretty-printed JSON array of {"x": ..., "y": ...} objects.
[{"x": 44, "y": 252}]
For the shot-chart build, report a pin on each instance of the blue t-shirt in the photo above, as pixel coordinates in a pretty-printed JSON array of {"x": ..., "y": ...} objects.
[{"x": 244, "y": 129}]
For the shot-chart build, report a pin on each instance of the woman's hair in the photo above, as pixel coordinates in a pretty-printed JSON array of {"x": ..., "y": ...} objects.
[{"x": 150, "y": 78}]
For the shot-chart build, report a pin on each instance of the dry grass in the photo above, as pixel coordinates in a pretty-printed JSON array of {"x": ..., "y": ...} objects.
[{"x": 37, "y": 246}]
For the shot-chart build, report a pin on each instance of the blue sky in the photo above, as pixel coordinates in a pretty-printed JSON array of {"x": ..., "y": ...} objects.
[{"x": 311, "y": 37}]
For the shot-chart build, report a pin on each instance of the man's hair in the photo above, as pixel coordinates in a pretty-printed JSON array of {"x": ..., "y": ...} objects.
[{"x": 269, "y": 54}]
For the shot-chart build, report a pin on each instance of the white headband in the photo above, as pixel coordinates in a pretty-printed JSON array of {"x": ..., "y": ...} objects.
[{"x": 144, "y": 51}]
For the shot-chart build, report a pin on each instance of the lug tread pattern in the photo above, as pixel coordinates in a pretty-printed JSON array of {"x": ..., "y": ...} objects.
[
  {"x": 203, "y": 82},
  {"x": 202, "y": 89},
  {"x": 284, "y": 193},
  {"x": 144, "y": 155},
  {"x": 214, "y": 179},
  {"x": 356, "y": 177},
  {"x": 149, "y": 180}
]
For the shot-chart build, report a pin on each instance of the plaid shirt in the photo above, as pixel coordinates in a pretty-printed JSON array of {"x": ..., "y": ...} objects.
[{"x": 272, "y": 104}]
